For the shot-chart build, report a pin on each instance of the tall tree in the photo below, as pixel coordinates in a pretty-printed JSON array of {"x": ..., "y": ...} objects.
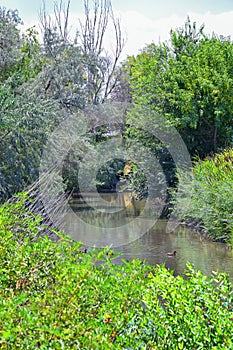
[
  {"x": 26, "y": 118},
  {"x": 190, "y": 82},
  {"x": 9, "y": 41},
  {"x": 92, "y": 72}
]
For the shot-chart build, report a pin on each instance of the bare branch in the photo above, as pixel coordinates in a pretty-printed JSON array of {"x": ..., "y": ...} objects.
[
  {"x": 57, "y": 29},
  {"x": 99, "y": 66},
  {"x": 92, "y": 34}
]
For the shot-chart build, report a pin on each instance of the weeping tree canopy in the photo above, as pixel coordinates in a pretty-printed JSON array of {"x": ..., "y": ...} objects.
[
  {"x": 82, "y": 65},
  {"x": 42, "y": 84},
  {"x": 9, "y": 41}
]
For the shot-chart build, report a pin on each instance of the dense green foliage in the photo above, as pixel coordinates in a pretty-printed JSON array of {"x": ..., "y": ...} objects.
[
  {"x": 10, "y": 42},
  {"x": 26, "y": 122},
  {"x": 53, "y": 295},
  {"x": 211, "y": 195},
  {"x": 41, "y": 84},
  {"x": 190, "y": 82},
  {"x": 26, "y": 118}
]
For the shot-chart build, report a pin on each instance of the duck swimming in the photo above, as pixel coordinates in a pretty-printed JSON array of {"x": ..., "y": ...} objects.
[{"x": 172, "y": 254}]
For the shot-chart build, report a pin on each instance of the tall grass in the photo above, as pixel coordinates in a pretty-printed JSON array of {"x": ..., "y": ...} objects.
[{"x": 211, "y": 195}]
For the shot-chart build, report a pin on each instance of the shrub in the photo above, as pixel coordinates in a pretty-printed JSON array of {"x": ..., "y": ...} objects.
[
  {"x": 55, "y": 296},
  {"x": 211, "y": 195}
]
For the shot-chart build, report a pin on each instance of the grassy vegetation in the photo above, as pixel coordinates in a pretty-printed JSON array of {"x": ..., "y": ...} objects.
[
  {"x": 54, "y": 296},
  {"x": 211, "y": 195}
]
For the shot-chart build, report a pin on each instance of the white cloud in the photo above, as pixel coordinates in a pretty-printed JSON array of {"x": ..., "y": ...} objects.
[
  {"x": 219, "y": 23},
  {"x": 140, "y": 30}
]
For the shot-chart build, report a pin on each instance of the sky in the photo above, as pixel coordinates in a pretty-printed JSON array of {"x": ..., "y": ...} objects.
[{"x": 143, "y": 21}]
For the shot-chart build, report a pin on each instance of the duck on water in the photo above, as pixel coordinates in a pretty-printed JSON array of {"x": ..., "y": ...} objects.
[{"x": 171, "y": 254}]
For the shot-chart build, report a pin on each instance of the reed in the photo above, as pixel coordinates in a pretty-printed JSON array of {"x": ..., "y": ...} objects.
[{"x": 211, "y": 195}]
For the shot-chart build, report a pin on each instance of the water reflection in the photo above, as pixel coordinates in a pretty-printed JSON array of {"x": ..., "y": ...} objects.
[
  {"x": 204, "y": 255},
  {"x": 122, "y": 226},
  {"x": 100, "y": 220}
]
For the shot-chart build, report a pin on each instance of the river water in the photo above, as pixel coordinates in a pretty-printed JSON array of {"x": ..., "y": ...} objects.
[{"x": 132, "y": 230}]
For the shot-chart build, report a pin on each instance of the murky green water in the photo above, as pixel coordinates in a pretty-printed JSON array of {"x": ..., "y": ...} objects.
[{"x": 132, "y": 230}]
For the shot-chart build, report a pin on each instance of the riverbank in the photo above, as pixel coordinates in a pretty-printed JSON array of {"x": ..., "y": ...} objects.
[
  {"x": 54, "y": 295},
  {"x": 210, "y": 206},
  {"x": 198, "y": 226}
]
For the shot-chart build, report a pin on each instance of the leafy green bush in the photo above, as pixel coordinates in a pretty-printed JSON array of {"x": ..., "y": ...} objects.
[
  {"x": 188, "y": 80},
  {"x": 211, "y": 195},
  {"x": 56, "y": 296}
]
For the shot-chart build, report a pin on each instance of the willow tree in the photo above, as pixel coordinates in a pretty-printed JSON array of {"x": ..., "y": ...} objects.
[
  {"x": 9, "y": 41},
  {"x": 81, "y": 65},
  {"x": 26, "y": 117},
  {"x": 43, "y": 84}
]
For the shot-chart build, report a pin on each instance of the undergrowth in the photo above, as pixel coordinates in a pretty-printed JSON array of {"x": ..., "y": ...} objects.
[
  {"x": 53, "y": 295},
  {"x": 211, "y": 190}
]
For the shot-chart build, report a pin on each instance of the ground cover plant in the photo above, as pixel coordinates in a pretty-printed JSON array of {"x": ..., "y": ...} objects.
[{"x": 56, "y": 296}]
